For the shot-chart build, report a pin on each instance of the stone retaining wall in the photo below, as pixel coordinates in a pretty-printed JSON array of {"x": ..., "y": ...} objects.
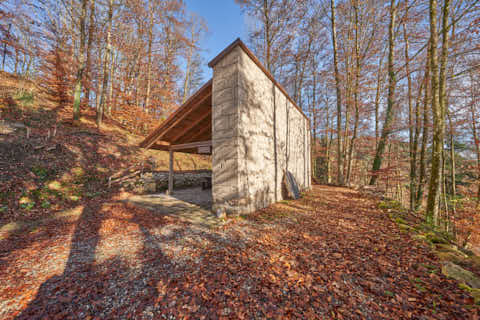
[{"x": 157, "y": 181}]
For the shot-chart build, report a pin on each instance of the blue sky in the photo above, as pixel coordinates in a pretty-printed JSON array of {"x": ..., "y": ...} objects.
[{"x": 225, "y": 24}]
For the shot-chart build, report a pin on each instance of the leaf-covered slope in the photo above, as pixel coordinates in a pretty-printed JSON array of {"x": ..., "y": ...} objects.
[{"x": 48, "y": 163}]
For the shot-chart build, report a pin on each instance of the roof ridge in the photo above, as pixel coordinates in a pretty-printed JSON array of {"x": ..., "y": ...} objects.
[{"x": 239, "y": 42}]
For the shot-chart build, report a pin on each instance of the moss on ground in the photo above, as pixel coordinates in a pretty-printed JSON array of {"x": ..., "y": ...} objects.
[{"x": 452, "y": 258}]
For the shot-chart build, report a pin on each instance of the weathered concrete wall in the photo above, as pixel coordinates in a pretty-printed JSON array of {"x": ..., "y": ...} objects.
[
  {"x": 225, "y": 132},
  {"x": 257, "y": 135}
]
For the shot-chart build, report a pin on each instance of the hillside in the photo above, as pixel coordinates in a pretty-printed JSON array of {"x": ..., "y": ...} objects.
[{"x": 49, "y": 163}]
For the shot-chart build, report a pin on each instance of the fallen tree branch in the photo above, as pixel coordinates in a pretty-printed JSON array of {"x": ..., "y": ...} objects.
[
  {"x": 120, "y": 179},
  {"x": 39, "y": 147}
]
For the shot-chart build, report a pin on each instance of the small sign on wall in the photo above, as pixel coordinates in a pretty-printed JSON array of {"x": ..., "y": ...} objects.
[{"x": 204, "y": 150}]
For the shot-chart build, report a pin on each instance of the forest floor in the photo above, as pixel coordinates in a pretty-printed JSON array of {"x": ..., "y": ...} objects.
[{"x": 332, "y": 254}]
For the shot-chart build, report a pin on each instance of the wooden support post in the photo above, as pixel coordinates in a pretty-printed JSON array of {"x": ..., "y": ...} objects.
[{"x": 170, "y": 174}]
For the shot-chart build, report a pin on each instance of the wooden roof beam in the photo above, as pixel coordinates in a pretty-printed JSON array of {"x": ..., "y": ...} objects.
[
  {"x": 165, "y": 126},
  {"x": 202, "y": 117},
  {"x": 200, "y": 132},
  {"x": 157, "y": 146},
  {"x": 191, "y": 145},
  {"x": 181, "y": 118}
]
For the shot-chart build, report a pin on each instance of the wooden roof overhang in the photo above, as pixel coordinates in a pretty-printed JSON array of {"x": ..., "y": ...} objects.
[{"x": 188, "y": 128}]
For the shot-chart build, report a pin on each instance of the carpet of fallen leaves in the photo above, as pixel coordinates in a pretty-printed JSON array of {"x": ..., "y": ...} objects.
[{"x": 330, "y": 255}]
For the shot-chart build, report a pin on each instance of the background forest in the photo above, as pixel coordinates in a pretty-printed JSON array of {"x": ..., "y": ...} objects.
[
  {"x": 131, "y": 60},
  {"x": 392, "y": 88}
]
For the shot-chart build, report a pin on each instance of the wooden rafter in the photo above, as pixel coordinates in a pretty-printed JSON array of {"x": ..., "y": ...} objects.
[
  {"x": 190, "y": 145},
  {"x": 197, "y": 121},
  {"x": 200, "y": 132},
  {"x": 192, "y": 104}
]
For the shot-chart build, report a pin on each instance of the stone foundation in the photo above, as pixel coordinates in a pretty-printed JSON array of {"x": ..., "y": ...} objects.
[{"x": 157, "y": 181}]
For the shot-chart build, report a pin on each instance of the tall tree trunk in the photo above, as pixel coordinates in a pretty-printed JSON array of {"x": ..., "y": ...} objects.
[
  {"x": 81, "y": 63},
  {"x": 412, "y": 151},
  {"x": 476, "y": 138},
  {"x": 453, "y": 189},
  {"x": 443, "y": 194},
  {"x": 149, "y": 61},
  {"x": 314, "y": 117},
  {"x": 329, "y": 138},
  {"x": 110, "y": 92},
  {"x": 348, "y": 106},
  {"x": 97, "y": 94},
  {"x": 413, "y": 162},
  {"x": 99, "y": 80},
  {"x": 108, "y": 53},
  {"x": 339, "y": 98},
  {"x": 438, "y": 90},
  {"x": 187, "y": 76},
  {"x": 355, "y": 96},
  {"x": 389, "y": 160},
  {"x": 137, "y": 87},
  {"x": 329, "y": 151},
  {"x": 17, "y": 58},
  {"x": 346, "y": 133},
  {"x": 377, "y": 162},
  {"x": 5, "y": 46},
  {"x": 305, "y": 58},
  {"x": 91, "y": 31},
  {"x": 425, "y": 133},
  {"x": 266, "y": 14},
  {"x": 377, "y": 98}
]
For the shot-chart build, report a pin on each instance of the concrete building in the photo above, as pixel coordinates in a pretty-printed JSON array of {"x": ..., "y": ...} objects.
[{"x": 254, "y": 131}]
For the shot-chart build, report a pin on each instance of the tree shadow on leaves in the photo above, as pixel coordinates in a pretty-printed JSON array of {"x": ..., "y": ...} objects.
[
  {"x": 108, "y": 289},
  {"x": 131, "y": 273}
]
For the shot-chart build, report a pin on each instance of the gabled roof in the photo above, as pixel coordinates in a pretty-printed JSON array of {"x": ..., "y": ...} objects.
[{"x": 242, "y": 45}]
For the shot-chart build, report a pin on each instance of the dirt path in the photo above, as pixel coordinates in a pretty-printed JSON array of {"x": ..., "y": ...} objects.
[
  {"x": 191, "y": 205},
  {"x": 329, "y": 255}
]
